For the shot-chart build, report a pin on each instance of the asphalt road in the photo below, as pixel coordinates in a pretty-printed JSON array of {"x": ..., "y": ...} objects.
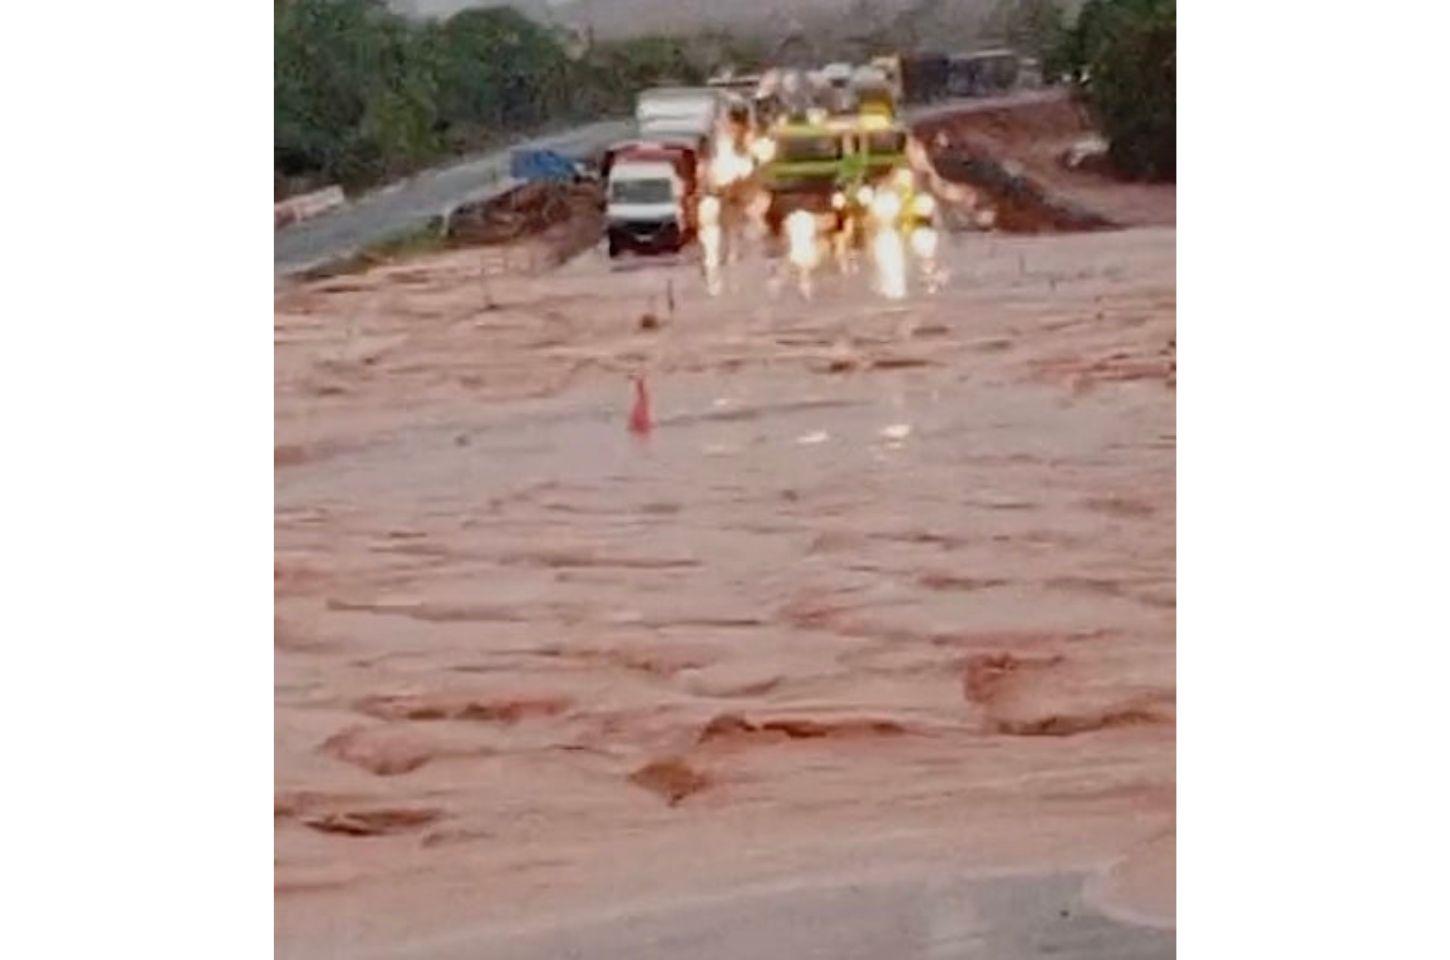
[{"x": 400, "y": 207}]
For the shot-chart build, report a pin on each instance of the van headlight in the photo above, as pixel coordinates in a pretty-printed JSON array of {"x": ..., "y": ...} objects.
[
  {"x": 923, "y": 242},
  {"x": 886, "y": 206}
]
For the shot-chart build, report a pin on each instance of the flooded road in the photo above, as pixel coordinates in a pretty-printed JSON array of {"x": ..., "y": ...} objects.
[
  {"x": 887, "y": 584},
  {"x": 936, "y": 918}
]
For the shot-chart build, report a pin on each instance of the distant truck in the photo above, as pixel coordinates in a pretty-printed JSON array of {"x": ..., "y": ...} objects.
[
  {"x": 674, "y": 102},
  {"x": 768, "y": 101},
  {"x": 924, "y": 77},
  {"x": 804, "y": 171},
  {"x": 814, "y": 162},
  {"x": 983, "y": 73},
  {"x": 679, "y": 112},
  {"x": 834, "y": 88},
  {"x": 795, "y": 94},
  {"x": 873, "y": 92},
  {"x": 890, "y": 67},
  {"x": 875, "y": 148}
]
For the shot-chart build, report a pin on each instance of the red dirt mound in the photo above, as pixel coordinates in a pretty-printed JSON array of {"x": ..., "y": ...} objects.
[{"x": 671, "y": 778}]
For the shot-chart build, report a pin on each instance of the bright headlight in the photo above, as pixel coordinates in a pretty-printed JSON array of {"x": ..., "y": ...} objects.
[
  {"x": 923, "y": 242},
  {"x": 800, "y": 225},
  {"x": 838, "y": 200},
  {"x": 709, "y": 210},
  {"x": 924, "y": 205},
  {"x": 886, "y": 206}
]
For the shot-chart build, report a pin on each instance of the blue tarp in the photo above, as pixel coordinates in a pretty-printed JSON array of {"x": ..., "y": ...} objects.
[{"x": 541, "y": 165}]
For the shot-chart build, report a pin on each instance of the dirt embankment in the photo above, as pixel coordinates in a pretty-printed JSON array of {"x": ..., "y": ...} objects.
[
  {"x": 571, "y": 215},
  {"x": 1016, "y": 154},
  {"x": 528, "y": 229}
]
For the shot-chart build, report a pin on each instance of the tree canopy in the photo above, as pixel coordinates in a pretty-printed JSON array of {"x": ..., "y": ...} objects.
[
  {"x": 1123, "y": 56},
  {"x": 361, "y": 94}
]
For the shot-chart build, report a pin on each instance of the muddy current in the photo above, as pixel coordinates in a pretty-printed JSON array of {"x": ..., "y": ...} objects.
[{"x": 885, "y": 584}]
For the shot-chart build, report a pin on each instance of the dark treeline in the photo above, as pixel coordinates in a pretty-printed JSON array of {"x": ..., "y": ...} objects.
[{"x": 362, "y": 94}]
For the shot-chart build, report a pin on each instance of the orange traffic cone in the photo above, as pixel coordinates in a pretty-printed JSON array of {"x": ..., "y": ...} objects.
[{"x": 639, "y": 418}]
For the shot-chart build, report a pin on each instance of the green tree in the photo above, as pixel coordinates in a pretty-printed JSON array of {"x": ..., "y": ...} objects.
[
  {"x": 350, "y": 99},
  {"x": 499, "y": 70},
  {"x": 1122, "y": 55}
]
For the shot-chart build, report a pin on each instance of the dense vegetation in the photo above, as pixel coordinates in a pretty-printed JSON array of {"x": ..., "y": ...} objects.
[
  {"x": 362, "y": 94},
  {"x": 1123, "y": 55}
]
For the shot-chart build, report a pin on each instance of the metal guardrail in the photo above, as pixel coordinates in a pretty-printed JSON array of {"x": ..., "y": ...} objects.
[{"x": 306, "y": 206}]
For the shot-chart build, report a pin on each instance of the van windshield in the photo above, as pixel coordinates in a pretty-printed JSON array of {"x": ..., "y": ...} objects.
[{"x": 641, "y": 191}]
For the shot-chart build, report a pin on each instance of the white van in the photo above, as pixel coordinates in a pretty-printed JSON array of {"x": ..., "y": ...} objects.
[{"x": 645, "y": 207}]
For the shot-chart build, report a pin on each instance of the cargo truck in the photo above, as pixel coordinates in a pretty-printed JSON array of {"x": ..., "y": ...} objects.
[
  {"x": 804, "y": 169},
  {"x": 679, "y": 113},
  {"x": 924, "y": 77}
]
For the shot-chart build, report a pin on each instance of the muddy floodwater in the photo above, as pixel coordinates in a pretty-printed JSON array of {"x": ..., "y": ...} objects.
[{"x": 865, "y": 649}]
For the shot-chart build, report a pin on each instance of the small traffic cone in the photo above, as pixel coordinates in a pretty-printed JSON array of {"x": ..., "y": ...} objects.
[{"x": 640, "y": 421}]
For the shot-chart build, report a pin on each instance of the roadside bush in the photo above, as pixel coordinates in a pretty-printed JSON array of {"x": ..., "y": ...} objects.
[{"x": 1122, "y": 54}]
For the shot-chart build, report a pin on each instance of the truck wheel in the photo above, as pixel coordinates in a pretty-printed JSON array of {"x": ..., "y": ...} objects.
[{"x": 613, "y": 246}]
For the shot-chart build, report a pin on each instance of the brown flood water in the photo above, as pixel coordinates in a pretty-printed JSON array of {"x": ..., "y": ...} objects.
[{"x": 888, "y": 587}]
